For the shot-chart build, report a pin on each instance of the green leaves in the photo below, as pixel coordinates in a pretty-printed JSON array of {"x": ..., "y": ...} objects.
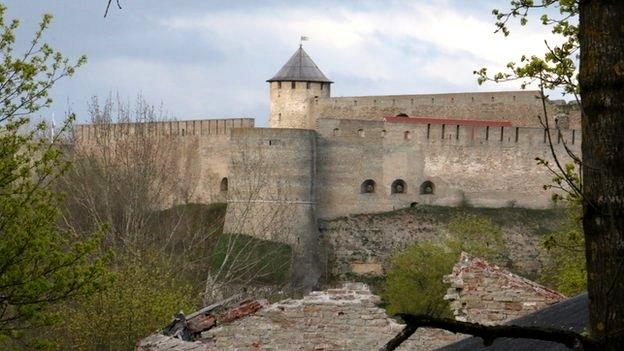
[
  {"x": 557, "y": 68},
  {"x": 41, "y": 263}
]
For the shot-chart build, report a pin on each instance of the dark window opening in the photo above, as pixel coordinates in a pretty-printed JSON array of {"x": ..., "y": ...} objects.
[
  {"x": 428, "y": 130},
  {"x": 407, "y": 135},
  {"x": 322, "y": 86},
  {"x": 279, "y": 85},
  {"x": 360, "y": 132},
  {"x": 517, "y": 132},
  {"x": 487, "y": 133},
  {"x": 293, "y": 85},
  {"x": 367, "y": 187},
  {"x": 413, "y": 204},
  {"x": 427, "y": 188},
  {"x": 402, "y": 114},
  {"x": 383, "y": 133},
  {"x": 398, "y": 187},
  {"x": 457, "y": 132},
  {"x": 573, "y": 135},
  {"x": 224, "y": 185},
  {"x": 307, "y": 85},
  {"x": 545, "y": 134},
  {"x": 274, "y": 142},
  {"x": 502, "y": 133},
  {"x": 336, "y": 132},
  {"x": 443, "y": 127}
]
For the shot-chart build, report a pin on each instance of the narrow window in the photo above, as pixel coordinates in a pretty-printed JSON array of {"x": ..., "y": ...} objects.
[
  {"x": 502, "y": 131},
  {"x": 183, "y": 132},
  {"x": 307, "y": 85},
  {"x": 224, "y": 185},
  {"x": 354, "y": 102},
  {"x": 398, "y": 187},
  {"x": 383, "y": 133},
  {"x": 432, "y": 100},
  {"x": 545, "y": 134},
  {"x": 514, "y": 98},
  {"x": 472, "y": 99},
  {"x": 492, "y": 99},
  {"x": 487, "y": 133},
  {"x": 517, "y": 133},
  {"x": 452, "y": 100},
  {"x": 457, "y": 132},
  {"x": 322, "y": 86},
  {"x": 279, "y": 85},
  {"x": 412, "y": 102},
  {"x": 427, "y": 188},
  {"x": 336, "y": 132},
  {"x": 573, "y": 135},
  {"x": 443, "y": 127},
  {"x": 293, "y": 85},
  {"x": 360, "y": 132},
  {"x": 279, "y": 117},
  {"x": 558, "y": 136},
  {"x": 367, "y": 187},
  {"x": 428, "y": 130},
  {"x": 407, "y": 135},
  {"x": 274, "y": 142}
]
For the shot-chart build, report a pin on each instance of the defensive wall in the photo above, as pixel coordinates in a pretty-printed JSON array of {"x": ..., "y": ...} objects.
[
  {"x": 521, "y": 107},
  {"x": 488, "y": 164}
]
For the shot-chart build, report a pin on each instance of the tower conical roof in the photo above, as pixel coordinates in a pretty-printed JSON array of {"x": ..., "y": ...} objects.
[{"x": 300, "y": 68}]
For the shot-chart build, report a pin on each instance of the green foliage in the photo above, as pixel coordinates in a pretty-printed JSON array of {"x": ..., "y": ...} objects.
[
  {"x": 40, "y": 264},
  {"x": 475, "y": 235},
  {"x": 565, "y": 270},
  {"x": 414, "y": 281},
  {"x": 146, "y": 293},
  {"x": 557, "y": 67},
  {"x": 242, "y": 259}
]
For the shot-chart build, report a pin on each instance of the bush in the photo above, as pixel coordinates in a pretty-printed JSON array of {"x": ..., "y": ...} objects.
[
  {"x": 143, "y": 297},
  {"x": 414, "y": 282}
]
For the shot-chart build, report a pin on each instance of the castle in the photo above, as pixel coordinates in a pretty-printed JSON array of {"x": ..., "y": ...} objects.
[{"x": 325, "y": 157}]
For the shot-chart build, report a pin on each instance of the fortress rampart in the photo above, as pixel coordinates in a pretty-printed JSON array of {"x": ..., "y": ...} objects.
[{"x": 520, "y": 107}]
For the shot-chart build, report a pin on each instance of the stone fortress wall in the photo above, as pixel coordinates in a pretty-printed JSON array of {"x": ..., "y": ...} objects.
[
  {"x": 326, "y": 157},
  {"x": 521, "y": 107}
]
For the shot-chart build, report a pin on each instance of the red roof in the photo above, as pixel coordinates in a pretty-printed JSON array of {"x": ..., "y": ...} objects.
[{"x": 431, "y": 120}]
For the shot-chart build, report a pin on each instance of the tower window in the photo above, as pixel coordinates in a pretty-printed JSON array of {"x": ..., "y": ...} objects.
[
  {"x": 407, "y": 135},
  {"x": 322, "y": 86},
  {"x": 360, "y": 132},
  {"x": 427, "y": 188},
  {"x": 336, "y": 132},
  {"x": 293, "y": 85},
  {"x": 367, "y": 187},
  {"x": 224, "y": 185},
  {"x": 279, "y": 117},
  {"x": 398, "y": 187},
  {"x": 279, "y": 85},
  {"x": 307, "y": 85}
]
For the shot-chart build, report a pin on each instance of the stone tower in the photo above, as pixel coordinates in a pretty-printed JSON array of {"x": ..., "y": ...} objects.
[{"x": 293, "y": 89}]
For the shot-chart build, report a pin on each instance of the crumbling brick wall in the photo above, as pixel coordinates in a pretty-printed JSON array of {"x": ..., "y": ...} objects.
[{"x": 484, "y": 293}]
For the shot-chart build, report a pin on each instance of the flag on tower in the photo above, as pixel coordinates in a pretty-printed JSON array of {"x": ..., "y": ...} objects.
[{"x": 304, "y": 38}]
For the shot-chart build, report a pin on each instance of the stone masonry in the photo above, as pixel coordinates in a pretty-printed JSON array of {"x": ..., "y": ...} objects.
[
  {"x": 345, "y": 318},
  {"x": 485, "y": 293}
]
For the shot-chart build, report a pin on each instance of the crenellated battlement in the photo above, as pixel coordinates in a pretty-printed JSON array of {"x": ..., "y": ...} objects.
[
  {"x": 405, "y": 130},
  {"x": 174, "y": 128}
]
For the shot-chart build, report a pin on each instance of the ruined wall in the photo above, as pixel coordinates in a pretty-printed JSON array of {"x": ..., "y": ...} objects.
[
  {"x": 345, "y": 318},
  {"x": 487, "y": 294},
  {"x": 480, "y": 165},
  {"x": 521, "y": 107},
  {"x": 290, "y": 108}
]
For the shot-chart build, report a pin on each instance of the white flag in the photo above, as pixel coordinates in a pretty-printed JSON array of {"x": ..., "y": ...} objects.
[{"x": 303, "y": 38}]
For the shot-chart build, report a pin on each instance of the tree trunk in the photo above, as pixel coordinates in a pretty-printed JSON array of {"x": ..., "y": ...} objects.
[{"x": 601, "y": 78}]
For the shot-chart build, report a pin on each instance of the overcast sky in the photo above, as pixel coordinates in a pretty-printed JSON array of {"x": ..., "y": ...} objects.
[{"x": 210, "y": 59}]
